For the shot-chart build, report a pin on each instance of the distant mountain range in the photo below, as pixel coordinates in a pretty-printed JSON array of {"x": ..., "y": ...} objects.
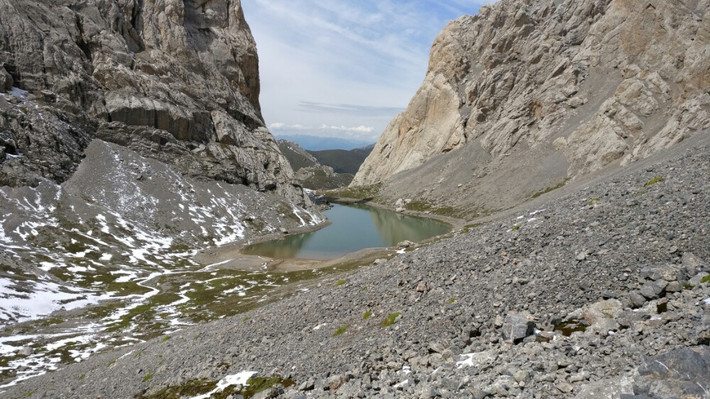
[
  {"x": 325, "y": 169},
  {"x": 316, "y": 143}
]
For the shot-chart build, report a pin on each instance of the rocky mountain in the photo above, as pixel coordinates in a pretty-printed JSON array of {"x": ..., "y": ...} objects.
[
  {"x": 527, "y": 95},
  {"x": 324, "y": 169},
  {"x": 174, "y": 81}
]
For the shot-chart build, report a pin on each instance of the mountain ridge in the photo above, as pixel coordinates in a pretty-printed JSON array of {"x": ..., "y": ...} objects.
[{"x": 527, "y": 95}]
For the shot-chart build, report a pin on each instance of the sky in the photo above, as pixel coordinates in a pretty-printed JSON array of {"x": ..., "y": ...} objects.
[{"x": 343, "y": 68}]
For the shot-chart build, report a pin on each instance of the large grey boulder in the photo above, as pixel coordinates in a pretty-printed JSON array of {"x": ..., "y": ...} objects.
[
  {"x": 517, "y": 326},
  {"x": 681, "y": 373}
]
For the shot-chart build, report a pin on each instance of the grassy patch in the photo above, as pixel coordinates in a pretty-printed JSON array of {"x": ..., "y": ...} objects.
[
  {"x": 390, "y": 319},
  {"x": 516, "y": 227},
  {"x": 147, "y": 377},
  {"x": 594, "y": 201},
  {"x": 340, "y": 330},
  {"x": 188, "y": 389},
  {"x": 653, "y": 181},
  {"x": 452, "y": 300},
  {"x": 547, "y": 190},
  {"x": 360, "y": 192},
  {"x": 705, "y": 279},
  {"x": 165, "y": 338},
  {"x": 367, "y": 315},
  {"x": 340, "y": 282}
]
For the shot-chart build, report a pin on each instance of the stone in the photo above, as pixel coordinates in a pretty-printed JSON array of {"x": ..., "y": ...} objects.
[
  {"x": 661, "y": 272},
  {"x": 698, "y": 278},
  {"x": 517, "y": 326},
  {"x": 652, "y": 290},
  {"x": 5, "y": 80},
  {"x": 680, "y": 373},
  {"x": 608, "y": 388},
  {"x": 336, "y": 381},
  {"x": 691, "y": 262},
  {"x": 637, "y": 300},
  {"x": 422, "y": 287}
]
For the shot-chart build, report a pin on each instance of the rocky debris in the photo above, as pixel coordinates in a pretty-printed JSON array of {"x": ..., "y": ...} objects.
[
  {"x": 444, "y": 339},
  {"x": 174, "y": 81},
  {"x": 526, "y": 95}
]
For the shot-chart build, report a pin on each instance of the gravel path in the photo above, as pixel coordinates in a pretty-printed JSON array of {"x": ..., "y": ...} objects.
[{"x": 621, "y": 258}]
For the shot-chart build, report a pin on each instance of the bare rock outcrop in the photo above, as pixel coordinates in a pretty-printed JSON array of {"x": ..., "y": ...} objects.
[
  {"x": 526, "y": 95},
  {"x": 174, "y": 80}
]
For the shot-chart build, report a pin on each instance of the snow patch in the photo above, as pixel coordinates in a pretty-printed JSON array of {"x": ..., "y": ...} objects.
[{"x": 241, "y": 378}]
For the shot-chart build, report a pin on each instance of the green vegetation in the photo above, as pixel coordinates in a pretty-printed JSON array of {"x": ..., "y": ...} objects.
[
  {"x": 516, "y": 227},
  {"x": 705, "y": 279},
  {"x": 111, "y": 363},
  {"x": 367, "y": 315},
  {"x": 452, "y": 300},
  {"x": 361, "y": 192},
  {"x": 594, "y": 201},
  {"x": 340, "y": 282},
  {"x": 653, "y": 181},
  {"x": 259, "y": 384},
  {"x": 147, "y": 377},
  {"x": 425, "y": 206},
  {"x": 390, "y": 319},
  {"x": 547, "y": 190},
  {"x": 189, "y": 389},
  {"x": 340, "y": 330},
  {"x": 165, "y": 338}
]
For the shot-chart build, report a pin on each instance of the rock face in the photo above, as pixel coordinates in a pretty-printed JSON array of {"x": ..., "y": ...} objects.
[
  {"x": 173, "y": 80},
  {"x": 526, "y": 95}
]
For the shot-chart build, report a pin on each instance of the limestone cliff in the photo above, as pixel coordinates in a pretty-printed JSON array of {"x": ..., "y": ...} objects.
[
  {"x": 173, "y": 80},
  {"x": 528, "y": 94}
]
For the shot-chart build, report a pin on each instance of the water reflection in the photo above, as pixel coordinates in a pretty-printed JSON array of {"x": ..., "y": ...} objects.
[{"x": 353, "y": 227}]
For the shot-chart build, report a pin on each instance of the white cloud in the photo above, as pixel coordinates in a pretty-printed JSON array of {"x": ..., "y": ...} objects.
[{"x": 318, "y": 57}]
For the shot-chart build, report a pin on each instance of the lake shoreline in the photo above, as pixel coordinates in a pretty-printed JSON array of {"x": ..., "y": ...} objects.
[{"x": 231, "y": 256}]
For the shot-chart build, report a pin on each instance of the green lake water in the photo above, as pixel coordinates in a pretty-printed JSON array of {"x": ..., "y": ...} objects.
[{"x": 354, "y": 227}]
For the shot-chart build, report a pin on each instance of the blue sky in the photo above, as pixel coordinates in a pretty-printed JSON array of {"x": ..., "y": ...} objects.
[{"x": 343, "y": 68}]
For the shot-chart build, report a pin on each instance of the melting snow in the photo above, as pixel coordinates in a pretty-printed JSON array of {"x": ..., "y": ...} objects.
[
  {"x": 236, "y": 379},
  {"x": 42, "y": 298}
]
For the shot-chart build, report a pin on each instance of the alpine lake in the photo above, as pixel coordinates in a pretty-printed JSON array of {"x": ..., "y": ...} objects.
[{"x": 353, "y": 227}]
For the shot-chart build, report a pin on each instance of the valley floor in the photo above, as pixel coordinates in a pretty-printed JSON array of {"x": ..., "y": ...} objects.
[{"x": 589, "y": 293}]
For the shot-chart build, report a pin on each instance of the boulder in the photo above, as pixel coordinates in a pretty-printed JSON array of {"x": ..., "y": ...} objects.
[
  {"x": 681, "y": 373},
  {"x": 517, "y": 326}
]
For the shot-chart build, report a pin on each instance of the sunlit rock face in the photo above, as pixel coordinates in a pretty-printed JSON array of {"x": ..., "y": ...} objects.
[
  {"x": 173, "y": 80},
  {"x": 527, "y": 94}
]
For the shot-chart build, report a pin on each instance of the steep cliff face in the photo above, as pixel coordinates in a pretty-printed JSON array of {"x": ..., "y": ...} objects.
[
  {"x": 528, "y": 94},
  {"x": 173, "y": 80}
]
